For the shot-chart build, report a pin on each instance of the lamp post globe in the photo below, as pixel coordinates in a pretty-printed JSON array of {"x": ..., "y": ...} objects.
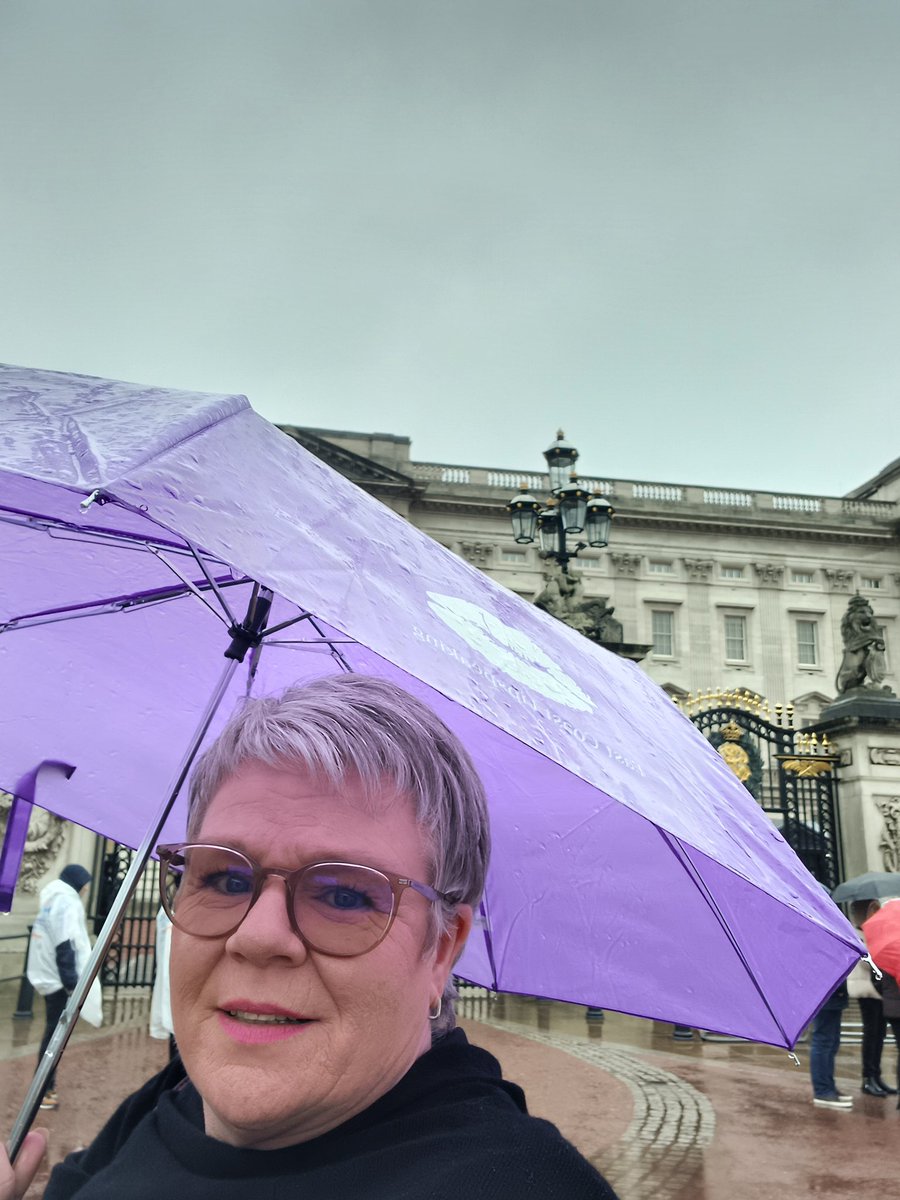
[
  {"x": 573, "y": 501},
  {"x": 523, "y": 510},
  {"x": 561, "y": 457},
  {"x": 598, "y": 518},
  {"x": 549, "y": 530}
]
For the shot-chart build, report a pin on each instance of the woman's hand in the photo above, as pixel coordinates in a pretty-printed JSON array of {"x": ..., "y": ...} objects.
[{"x": 16, "y": 1179}]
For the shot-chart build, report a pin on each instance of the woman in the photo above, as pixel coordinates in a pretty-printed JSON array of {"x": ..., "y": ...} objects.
[
  {"x": 861, "y": 988},
  {"x": 337, "y": 843},
  {"x": 890, "y": 996}
]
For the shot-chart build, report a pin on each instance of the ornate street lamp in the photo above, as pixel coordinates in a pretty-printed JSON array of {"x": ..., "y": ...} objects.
[
  {"x": 598, "y": 520},
  {"x": 524, "y": 510},
  {"x": 571, "y": 509}
]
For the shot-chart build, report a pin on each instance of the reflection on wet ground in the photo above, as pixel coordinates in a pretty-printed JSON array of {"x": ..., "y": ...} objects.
[
  {"x": 667, "y": 1119},
  {"x": 704, "y": 1118}
]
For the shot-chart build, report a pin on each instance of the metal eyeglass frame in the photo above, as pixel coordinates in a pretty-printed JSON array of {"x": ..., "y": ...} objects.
[{"x": 398, "y": 885}]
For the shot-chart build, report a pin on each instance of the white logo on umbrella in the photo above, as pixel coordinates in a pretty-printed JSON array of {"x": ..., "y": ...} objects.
[{"x": 509, "y": 649}]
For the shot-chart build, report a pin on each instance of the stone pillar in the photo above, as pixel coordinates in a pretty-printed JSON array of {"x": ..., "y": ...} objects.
[
  {"x": 770, "y": 577},
  {"x": 865, "y": 732},
  {"x": 626, "y": 567},
  {"x": 705, "y": 667}
]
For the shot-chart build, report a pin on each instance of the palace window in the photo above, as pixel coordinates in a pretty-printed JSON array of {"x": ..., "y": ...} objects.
[
  {"x": 801, "y": 576},
  {"x": 870, "y": 581},
  {"x": 808, "y": 643},
  {"x": 658, "y": 566},
  {"x": 518, "y": 558},
  {"x": 732, "y": 572},
  {"x": 662, "y": 631},
  {"x": 735, "y": 639}
]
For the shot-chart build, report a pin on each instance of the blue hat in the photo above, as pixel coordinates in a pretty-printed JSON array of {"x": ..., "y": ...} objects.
[{"x": 75, "y": 876}]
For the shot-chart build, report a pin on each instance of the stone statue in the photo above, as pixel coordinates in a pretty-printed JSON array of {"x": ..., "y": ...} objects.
[
  {"x": 862, "y": 665},
  {"x": 43, "y": 842},
  {"x": 558, "y": 592},
  {"x": 563, "y": 597}
]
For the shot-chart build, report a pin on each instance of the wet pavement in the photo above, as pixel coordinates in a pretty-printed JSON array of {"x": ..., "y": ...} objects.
[{"x": 662, "y": 1119}]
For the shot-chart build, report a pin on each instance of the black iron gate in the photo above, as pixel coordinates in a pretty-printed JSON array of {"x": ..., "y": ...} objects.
[
  {"x": 131, "y": 959},
  {"x": 791, "y": 773}
]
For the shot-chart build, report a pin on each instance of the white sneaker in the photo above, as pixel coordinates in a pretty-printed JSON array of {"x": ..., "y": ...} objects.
[{"x": 835, "y": 1101}]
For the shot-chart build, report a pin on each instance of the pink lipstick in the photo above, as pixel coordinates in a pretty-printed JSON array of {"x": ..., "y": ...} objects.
[{"x": 257, "y": 1024}]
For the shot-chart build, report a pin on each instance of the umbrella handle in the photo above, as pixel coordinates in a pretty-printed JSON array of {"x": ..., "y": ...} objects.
[{"x": 57, "y": 1044}]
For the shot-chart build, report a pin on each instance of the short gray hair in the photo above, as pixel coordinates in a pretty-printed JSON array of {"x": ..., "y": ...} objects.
[{"x": 361, "y": 725}]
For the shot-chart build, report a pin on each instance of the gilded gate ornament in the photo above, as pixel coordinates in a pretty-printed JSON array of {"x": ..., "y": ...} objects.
[
  {"x": 737, "y": 758},
  {"x": 740, "y": 753}
]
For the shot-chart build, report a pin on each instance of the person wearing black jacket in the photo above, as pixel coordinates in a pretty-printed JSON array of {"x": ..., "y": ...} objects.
[
  {"x": 451, "y": 1127},
  {"x": 337, "y": 843}
]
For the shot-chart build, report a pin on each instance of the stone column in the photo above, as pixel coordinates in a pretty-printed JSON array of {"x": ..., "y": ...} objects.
[
  {"x": 770, "y": 578},
  {"x": 626, "y": 567},
  {"x": 865, "y": 733},
  {"x": 704, "y": 668}
]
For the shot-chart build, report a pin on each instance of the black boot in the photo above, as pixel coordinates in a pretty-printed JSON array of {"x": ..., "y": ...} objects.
[
  {"x": 871, "y": 1087},
  {"x": 885, "y": 1087}
]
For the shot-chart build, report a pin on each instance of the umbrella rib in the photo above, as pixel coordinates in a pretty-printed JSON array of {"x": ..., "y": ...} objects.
[
  {"x": 489, "y": 943},
  {"x": 93, "y": 608},
  {"x": 211, "y": 581},
  {"x": 267, "y": 633},
  {"x": 319, "y": 641},
  {"x": 67, "y": 531},
  {"x": 336, "y": 653},
  {"x": 227, "y": 618},
  {"x": 684, "y": 858}
]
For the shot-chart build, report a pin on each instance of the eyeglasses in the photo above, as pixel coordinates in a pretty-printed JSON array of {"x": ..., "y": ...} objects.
[{"x": 338, "y": 909}]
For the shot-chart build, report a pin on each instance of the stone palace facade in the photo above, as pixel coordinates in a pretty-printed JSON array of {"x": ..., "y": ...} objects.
[{"x": 728, "y": 588}]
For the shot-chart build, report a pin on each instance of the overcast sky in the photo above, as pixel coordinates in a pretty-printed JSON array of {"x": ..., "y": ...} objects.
[{"x": 672, "y": 228}]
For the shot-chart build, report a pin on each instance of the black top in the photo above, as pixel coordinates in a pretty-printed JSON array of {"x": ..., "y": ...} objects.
[{"x": 451, "y": 1128}]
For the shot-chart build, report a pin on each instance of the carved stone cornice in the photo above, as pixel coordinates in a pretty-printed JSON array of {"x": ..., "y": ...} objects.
[
  {"x": 625, "y": 564},
  {"x": 477, "y": 553},
  {"x": 769, "y": 574},
  {"x": 365, "y": 472},
  {"x": 889, "y": 845},
  {"x": 699, "y": 569},
  {"x": 42, "y": 844},
  {"x": 839, "y": 580},
  {"x": 884, "y": 756}
]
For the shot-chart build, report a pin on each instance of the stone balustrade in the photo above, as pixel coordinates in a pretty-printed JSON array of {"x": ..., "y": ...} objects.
[{"x": 645, "y": 495}]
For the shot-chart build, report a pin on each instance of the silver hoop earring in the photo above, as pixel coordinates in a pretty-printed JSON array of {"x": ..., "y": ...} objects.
[{"x": 433, "y": 1016}]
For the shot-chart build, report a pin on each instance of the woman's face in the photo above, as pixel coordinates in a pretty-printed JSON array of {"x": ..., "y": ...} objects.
[{"x": 363, "y": 1021}]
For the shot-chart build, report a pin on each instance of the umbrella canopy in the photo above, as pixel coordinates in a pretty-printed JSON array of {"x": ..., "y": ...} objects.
[
  {"x": 882, "y": 934},
  {"x": 873, "y": 885},
  {"x": 631, "y": 869}
]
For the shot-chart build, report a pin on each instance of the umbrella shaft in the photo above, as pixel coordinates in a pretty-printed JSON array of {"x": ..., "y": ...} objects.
[{"x": 67, "y": 1021}]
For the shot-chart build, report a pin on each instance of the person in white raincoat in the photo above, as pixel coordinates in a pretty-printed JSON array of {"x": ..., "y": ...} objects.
[
  {"x": 160, "y": 1001},
  {"x": 57, "y": 953}
]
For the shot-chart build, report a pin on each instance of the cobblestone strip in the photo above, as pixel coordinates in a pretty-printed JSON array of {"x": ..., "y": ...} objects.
[{"x": 662, "y": 1149}]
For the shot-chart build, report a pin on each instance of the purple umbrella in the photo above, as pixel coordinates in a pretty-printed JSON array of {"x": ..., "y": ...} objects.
[{"x": 144, "y": 531}]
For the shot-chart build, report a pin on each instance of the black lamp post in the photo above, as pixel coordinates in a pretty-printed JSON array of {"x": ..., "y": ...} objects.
[{"x": 571, "y": 509}]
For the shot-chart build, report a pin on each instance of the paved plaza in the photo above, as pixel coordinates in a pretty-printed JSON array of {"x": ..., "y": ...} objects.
[{"x": 662, "y": 1119}]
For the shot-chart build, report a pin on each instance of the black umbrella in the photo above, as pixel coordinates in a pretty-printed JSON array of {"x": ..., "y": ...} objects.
[{"x": 874, "y": 885}]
